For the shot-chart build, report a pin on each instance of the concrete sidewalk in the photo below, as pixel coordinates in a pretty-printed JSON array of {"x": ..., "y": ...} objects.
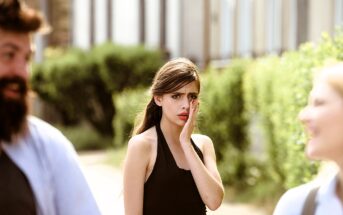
[{"x": 106, "y": 183}]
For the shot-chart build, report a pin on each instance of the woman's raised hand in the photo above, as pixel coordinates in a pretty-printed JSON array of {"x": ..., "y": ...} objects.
[{"x": 185, "y": 136}]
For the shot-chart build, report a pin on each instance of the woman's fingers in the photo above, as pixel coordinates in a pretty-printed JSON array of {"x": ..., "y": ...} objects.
[{"x": 194, "y": 107}]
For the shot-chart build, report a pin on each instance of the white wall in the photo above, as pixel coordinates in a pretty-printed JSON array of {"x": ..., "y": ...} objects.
[
  {"x": 292, "y": 42},
  {"x": 273, "y": 26},
  {"x": 126, "y": 26},
  {"x": 321, "y": 16},
  {"x": 338, "y": 13},
  {"x": 173, "y": 28},
  {"x": 152, "y": 23},
  {"x": 215, "y": 30},
  {"x": 81, "y": 23},
  {"x": 100, "y": 21},
  {"x": 226, "y": 25},
  {"x": 192, "y": 44},
  {"x": 259, "y": 26},
  {"x": 245, "y": 28}
]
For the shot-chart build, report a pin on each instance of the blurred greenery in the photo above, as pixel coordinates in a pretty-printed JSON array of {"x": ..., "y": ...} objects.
[
  {"x": 85, "y": 138},
  {"x": 107, "y": 87},
  {"x": 115, "y": 157},
  {"x": 222, "y": 118},
  {"x": 128, "y": 104},
  {"x": 80, "y": 84}
]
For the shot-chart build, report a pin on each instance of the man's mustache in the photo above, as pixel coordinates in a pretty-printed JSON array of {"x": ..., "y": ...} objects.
[{"x": 16, "y": 82}]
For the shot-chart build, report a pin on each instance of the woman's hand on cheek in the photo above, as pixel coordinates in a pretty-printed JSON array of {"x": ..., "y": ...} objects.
[{"x": 188, "y": 128}]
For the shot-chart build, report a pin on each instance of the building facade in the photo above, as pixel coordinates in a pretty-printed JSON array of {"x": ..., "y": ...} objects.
[{"x": 202, "y": 30}]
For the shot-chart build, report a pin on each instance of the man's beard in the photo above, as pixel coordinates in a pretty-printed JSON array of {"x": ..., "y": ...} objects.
[{"x": 13, "y": 111}]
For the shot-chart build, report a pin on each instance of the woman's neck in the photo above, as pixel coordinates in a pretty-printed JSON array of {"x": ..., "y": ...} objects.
[{"x": 170, "y": 131}]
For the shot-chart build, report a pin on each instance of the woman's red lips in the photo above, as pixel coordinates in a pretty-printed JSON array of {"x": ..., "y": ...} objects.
[{"x": 183, "y": 116}]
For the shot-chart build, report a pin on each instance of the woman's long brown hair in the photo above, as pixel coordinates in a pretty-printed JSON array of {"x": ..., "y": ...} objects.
[{"x": 171, "y": 76}]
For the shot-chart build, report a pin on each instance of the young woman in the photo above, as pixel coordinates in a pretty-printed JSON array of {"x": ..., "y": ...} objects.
[
  {"x": 323, "y": 120},
  {"x": 169, "y": 170}
]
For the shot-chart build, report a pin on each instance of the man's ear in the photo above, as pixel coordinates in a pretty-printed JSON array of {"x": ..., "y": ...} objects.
[{"x": 158, "y": 100}]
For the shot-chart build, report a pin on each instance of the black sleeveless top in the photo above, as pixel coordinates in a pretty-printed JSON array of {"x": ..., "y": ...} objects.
[
  {"x": 16, "y": 196},
  {"x": 169, "y": 189}
]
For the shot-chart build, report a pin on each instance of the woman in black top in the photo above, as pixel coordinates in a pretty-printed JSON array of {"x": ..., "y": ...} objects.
[{"x": 169, "y": 170}]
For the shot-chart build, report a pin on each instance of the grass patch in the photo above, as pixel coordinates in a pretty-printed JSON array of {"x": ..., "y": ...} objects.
[
  {"x": 85, "y": 138},
  {"x": 264, "y": 194},
  {"x": 115, "y": 157}
]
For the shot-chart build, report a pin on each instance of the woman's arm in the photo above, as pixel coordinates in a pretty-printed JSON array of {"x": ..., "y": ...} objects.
[
  {"x": 206, "y": 176},
  {"x": 136, "y": 162}
]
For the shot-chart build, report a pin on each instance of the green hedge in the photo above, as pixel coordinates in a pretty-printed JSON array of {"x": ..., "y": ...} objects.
[
  {"x": 85, "y": 138},
  {"x": 128, "y": 105},
  {"x": 124, "y": 67},
  {"x": 80, "y": 84},
  {"x": 222, "y": 118},
  {"x": 277, "y": 88}
]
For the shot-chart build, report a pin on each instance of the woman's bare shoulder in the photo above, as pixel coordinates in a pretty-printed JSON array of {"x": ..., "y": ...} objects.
[{"x": 143, "y": 141}]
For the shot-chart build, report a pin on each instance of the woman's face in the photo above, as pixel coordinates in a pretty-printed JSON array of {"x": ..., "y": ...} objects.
[
  {"x": 175, "y": 106},
  {"x": 323, "y": 121}
]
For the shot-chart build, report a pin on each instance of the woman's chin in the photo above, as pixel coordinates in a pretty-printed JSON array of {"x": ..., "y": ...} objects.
[{"x": 312, "y": 152}]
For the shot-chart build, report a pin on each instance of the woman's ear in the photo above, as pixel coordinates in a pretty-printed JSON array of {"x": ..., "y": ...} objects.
[{"x": 158, "y": 100}]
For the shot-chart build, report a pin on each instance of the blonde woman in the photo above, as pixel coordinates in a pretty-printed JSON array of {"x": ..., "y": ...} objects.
[{"x": 323, "y": 122}]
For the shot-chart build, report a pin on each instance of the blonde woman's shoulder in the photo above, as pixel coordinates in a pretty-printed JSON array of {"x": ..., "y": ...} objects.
[{"x": 292, "y": 201}]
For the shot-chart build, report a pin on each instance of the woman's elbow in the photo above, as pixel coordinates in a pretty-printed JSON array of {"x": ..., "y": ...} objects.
[{"x": 215, "y": 203}]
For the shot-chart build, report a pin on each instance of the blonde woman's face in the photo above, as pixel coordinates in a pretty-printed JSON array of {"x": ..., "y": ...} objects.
[{"x": 323, "y": 122}]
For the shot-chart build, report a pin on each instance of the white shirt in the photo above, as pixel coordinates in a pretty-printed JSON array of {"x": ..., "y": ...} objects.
[
  {"x": 291, "y": 203},
  {"x": 50, "y": 164}
]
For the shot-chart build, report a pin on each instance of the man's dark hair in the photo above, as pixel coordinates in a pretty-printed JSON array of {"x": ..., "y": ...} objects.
[{"x": 17, "y": 17}]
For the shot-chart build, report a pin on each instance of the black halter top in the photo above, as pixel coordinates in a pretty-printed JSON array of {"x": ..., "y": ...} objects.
[{"x": 169, "y": 189}]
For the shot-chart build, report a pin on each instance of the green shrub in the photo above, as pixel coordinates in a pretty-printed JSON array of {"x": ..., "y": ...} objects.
[
  {"x": 123, "y": 67},
  {"x": 128, "y": 104},
  {"x": 73, "y": 86},
  {"x": 80, "y": 84},
  {"x": 53, "y": 78},
  {"x": 277, "y": 88},
  {"x": 222, "y": 118},
  {"x": 85, "y": 138},
  {"x": 269, "y": 92}
]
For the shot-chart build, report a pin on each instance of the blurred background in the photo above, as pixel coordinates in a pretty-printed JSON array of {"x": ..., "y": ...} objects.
[{"x": 91, "y": 76}]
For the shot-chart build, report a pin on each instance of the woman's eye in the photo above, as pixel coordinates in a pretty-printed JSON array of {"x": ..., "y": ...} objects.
[
  {"x": 175, "y": 96},
  {"x": 318, "y": 102},
  {"x": 194, "y": 97}
]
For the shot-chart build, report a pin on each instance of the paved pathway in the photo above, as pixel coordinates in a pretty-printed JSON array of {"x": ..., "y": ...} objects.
[{"x": 106, "y": 184}]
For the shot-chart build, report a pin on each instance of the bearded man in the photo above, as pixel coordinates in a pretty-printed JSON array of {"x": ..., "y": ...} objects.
[{"x": 39, "y": 172}]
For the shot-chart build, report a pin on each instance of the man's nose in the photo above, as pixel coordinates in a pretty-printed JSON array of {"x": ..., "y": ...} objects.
[{"x": 21, "y": 68}]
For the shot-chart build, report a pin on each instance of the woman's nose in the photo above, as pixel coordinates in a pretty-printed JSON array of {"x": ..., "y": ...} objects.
[
  {"x": 303, "y": 115},
  {"x": 186, "y": 103}
]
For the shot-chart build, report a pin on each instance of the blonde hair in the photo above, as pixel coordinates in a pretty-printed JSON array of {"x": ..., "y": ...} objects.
[{"x": 332, "y": 73}]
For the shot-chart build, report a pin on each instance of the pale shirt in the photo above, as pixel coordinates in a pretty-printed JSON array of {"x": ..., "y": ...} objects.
[
  {"x": 291, "y": 203},
  {"x": 50, "y": 164}
]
